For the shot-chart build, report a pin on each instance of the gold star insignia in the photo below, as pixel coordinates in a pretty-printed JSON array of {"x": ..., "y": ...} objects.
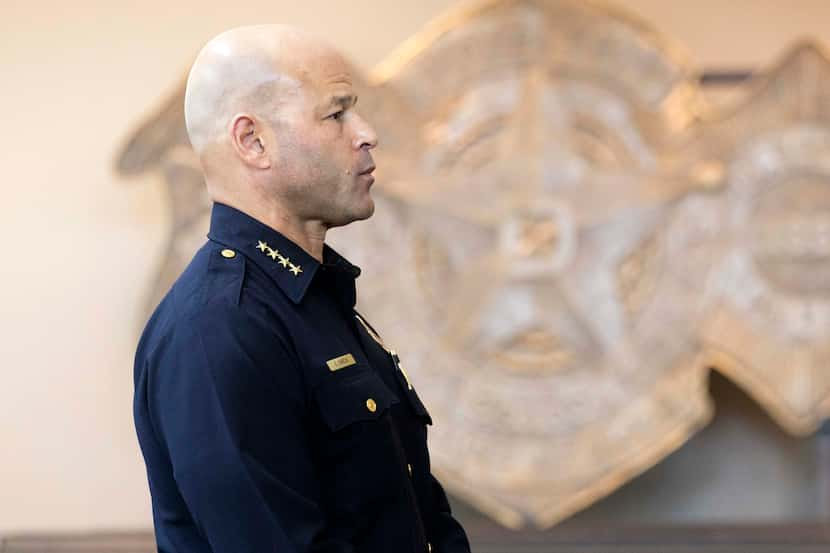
[
  {"x": 284, "y": 261},
  {"x": 262, "y": 246},
  {"x": 296, "y": 269},
  {"x": 273, "y": 254}
]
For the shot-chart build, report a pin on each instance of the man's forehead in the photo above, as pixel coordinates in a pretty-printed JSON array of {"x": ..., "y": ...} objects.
[
  {"x": 339, "y": 84},
  {"x": 341, "y": 78},
  {"x": 337, "y": 89},
  {"x": 323, "y": 73},
  {"x": 325, "y": 66}
]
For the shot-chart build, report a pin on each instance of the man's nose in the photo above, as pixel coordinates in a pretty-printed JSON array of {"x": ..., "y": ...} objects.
[{"x": 365, "y": 136}]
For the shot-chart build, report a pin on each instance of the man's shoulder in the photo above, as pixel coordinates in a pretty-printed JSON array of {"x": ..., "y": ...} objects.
[
  {"x": 212, "y": 280},
  {"x": 216, "y": 289},
  {"x": 222, "y": 279}
]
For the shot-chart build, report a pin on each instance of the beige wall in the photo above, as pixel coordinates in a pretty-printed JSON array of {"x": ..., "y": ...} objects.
[{"x": 80, "y": 244}]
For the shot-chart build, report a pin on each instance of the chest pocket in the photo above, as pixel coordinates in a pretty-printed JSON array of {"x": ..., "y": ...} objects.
[{"x": 358, "y": 395}]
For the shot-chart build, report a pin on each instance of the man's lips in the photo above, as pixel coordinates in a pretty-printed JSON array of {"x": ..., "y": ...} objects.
[{"x": 367, "y": 171}]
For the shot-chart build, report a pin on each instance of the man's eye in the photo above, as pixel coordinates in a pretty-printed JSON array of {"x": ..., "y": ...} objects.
[{"x": 337, "y": 116}]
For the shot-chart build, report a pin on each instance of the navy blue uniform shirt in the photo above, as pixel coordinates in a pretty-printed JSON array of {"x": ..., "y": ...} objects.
[{"x": 271, "y": 417}]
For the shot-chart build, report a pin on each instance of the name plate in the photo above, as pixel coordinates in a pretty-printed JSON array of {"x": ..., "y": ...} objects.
[{"x": 341, "y": 362}]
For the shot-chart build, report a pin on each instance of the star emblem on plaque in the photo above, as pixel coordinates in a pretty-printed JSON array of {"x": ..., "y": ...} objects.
[{"x": 567, "y": 238}]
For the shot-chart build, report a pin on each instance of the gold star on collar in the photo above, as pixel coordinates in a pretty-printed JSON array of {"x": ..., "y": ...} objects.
[{"x": 275, "y": 255}]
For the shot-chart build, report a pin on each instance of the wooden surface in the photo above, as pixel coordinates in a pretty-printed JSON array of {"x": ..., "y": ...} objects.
[{"x": 807, "y": 538}]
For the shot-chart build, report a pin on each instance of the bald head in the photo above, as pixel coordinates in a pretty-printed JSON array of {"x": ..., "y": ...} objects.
[
  {"x": 270, "y": 112},
  {"x": 247, "y": 69}
]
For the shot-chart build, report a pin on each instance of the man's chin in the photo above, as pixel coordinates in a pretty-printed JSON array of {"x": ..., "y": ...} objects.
[
  {"x": 360, "y": 214},
  {"x": 365, "y": 210},
  {"x": 370, "y": 210}
]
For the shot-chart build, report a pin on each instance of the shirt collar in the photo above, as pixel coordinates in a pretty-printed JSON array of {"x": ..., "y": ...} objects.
[{"x": 291, "y": 267}]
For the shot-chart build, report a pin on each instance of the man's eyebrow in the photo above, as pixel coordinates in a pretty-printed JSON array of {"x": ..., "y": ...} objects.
[{"x": 345, "y": 100}]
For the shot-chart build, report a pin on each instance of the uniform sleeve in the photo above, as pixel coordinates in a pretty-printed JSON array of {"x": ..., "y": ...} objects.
[
  {"x": 228, "y": 402},
  {"x": 449, "y": 535}
]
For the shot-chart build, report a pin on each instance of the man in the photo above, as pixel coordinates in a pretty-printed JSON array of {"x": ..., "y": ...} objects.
[{"x": 271, "y": 417}]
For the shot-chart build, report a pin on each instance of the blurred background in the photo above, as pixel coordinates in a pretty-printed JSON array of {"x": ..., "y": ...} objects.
[{"x": 84, "y": 243}]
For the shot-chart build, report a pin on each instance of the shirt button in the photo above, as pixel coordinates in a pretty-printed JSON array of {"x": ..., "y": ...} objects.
[
  {"x": 409, "y": 468},
  {"x": 371, "y": 405},
  {"x": 230, "y": 254}
]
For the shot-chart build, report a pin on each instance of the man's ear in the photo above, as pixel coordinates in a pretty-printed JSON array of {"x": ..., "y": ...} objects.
[{"x": 249, "y": 141}]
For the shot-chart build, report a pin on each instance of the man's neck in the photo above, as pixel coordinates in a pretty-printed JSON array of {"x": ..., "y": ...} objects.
[{"x": 309, "y": 235}]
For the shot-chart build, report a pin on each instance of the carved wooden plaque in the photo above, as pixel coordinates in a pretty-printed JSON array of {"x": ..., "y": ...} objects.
[{"x": 566, "y": 239}]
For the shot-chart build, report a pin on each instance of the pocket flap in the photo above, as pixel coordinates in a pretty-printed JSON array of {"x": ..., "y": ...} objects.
[{"x": 361, "y": 397}]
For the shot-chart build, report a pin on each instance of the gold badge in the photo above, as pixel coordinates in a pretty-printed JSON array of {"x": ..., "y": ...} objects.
[{"x": 341, "y": 362}]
